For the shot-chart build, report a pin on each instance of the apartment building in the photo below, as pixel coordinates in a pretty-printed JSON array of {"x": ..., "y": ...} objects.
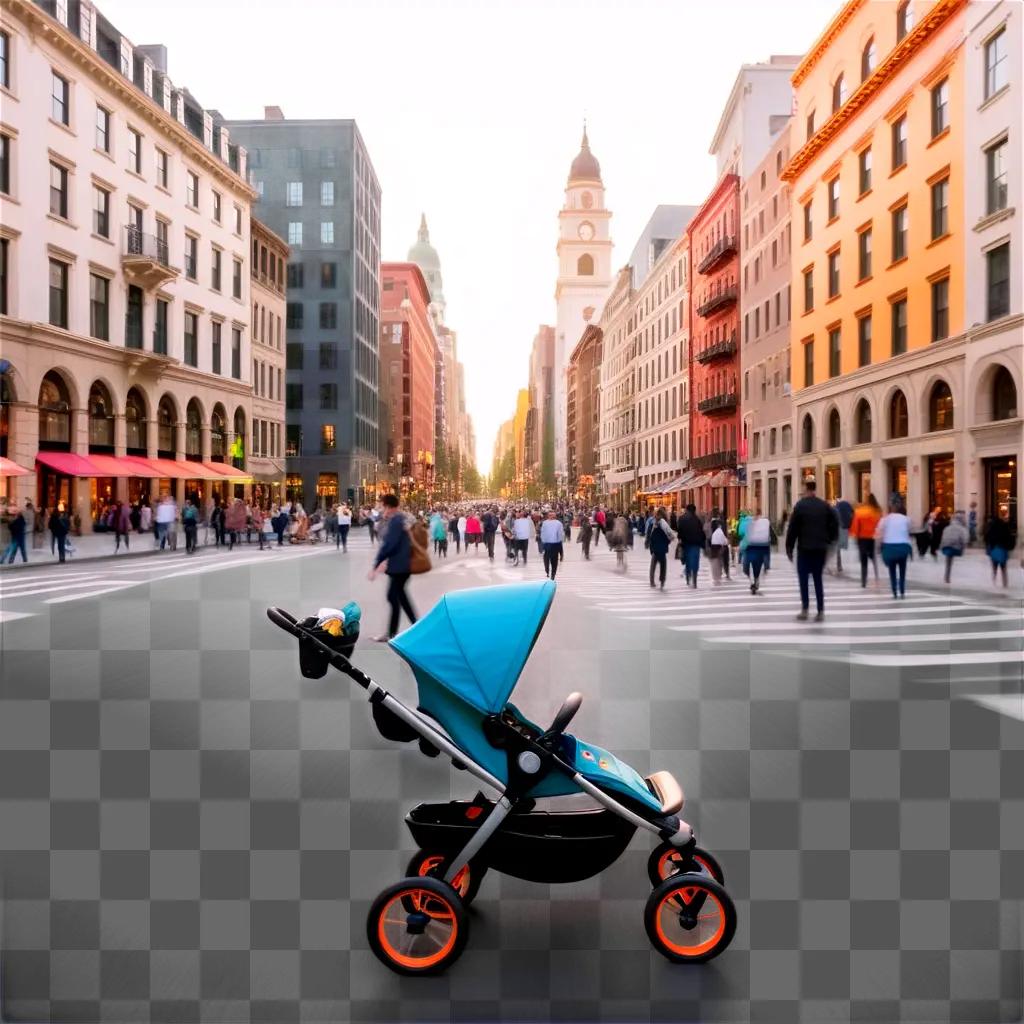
[
  {"x": 124, "y": 297},
  {"x": 583, "y": 410},
  {"x": 616, "y": 474}
]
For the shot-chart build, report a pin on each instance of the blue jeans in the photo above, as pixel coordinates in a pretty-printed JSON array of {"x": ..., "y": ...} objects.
[
  {"x": 757, "y": 558},
  {"x": 691, "y": 561},
  {"x": 898, "y": 575},
  {"x": 809, "y": 565},
  {"x": 161, "y": 533},
  {"x": 17, "y": 544}
]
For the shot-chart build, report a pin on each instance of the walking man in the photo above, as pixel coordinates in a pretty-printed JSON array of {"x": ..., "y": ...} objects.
[
  {"x": 489, "y": 522},
  {"x": 693, "y": 540},
  {"x": 394, "y": 557},
  {"x": 17, "y": 527},
  {"x": 659, "y": 536},
  {"x": 522, "y": 531},
  {"x": 552, "y": 535},
  {"x": 813, "y": 529}
]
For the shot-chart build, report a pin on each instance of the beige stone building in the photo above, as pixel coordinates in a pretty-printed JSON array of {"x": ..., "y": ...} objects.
[{"x": 616, "y": 473}]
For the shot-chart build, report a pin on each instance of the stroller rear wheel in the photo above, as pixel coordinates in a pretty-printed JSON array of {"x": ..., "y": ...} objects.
[
  {"x": 666, "y": 860},
  {"x": 690, "y": 919},
  {"x": 417, "y": 926},
  {"x": 466, "y": 883}
]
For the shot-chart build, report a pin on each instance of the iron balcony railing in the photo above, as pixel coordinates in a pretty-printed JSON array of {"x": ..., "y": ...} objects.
[
  {"x": 138, "y": 243},
  {"x": 715, "y": 460},
  {"x": 718, "y": 403},
  {"x": 726, "y": 297},
  {"x": 718, "y": 350},
  {"x": 725, "y": 246}
]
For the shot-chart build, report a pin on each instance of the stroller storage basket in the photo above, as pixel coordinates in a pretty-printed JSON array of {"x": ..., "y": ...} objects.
[
  {"x": 313, "y": 660},
  {"x": 538, "y": 846}
]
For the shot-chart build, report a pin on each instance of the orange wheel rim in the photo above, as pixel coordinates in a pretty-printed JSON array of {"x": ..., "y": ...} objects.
[
  {"x": 460, "y": 883},
  {"x": 423, "y": 950},
  {"x": 705, "y": 935},
  {"x": 669, "y": 856}
]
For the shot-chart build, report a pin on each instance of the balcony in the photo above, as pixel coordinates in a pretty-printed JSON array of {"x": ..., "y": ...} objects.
[
  {"x": 719, "y": 350},
  {"x": 720, "y": 300},
  {"x": 725, "y": 402},
  {"x": 725, "y": 246},
  {"x": 715, "y": 460},
  {"x": 144, "y": 259}
]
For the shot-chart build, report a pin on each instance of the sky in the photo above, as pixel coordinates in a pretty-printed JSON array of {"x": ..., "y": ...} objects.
[{"x": 472, "y": 113}]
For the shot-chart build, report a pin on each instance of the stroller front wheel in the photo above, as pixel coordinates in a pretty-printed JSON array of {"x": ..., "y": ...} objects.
[
  {"x": 690, "y": 919},
  {"x": 417, "y": 926},
  {"x": 466, "y": 883},
  {"x": 666, "y": 860}
]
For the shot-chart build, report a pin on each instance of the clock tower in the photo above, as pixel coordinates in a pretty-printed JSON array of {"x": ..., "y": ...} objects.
[{"x": 584, "y": 273}]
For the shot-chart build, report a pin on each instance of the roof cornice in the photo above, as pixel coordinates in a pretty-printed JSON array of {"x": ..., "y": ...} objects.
[{"x": 826, "y": 39}]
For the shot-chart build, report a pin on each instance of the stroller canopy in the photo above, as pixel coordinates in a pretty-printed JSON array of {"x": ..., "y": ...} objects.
[{"x": 475, "y": 643}]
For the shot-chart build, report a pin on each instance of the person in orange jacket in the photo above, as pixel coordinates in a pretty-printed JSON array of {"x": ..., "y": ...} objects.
[{"x": 862, "y": 529}]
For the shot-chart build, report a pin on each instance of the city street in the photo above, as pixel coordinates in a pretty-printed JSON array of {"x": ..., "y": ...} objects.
[{"x": 191, "y": 831}]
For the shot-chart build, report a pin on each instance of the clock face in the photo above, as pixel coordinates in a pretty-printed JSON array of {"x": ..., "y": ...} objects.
[
  {"x": 586, "y": 231},
  {"x": 588, "y": 200}
]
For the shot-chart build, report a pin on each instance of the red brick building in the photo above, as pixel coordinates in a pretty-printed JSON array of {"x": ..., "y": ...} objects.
[
  {"x": 408, "y": 360},
  {"x": 714, "y": 349}
]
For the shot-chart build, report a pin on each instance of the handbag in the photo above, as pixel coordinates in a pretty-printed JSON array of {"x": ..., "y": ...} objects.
[{"x": 419, "y": 559}]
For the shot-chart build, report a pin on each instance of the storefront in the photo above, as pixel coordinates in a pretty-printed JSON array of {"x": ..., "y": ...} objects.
[
  {"x": 1001, "y": 488},
  {"x": 941, "y": 480},
  {"x": 897, "y": 481},
  {"x": 293, "y": 490},
  {"x": 326, "y": 490}
]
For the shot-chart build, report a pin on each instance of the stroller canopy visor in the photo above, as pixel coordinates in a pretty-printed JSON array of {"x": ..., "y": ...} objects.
[{"x": 474, "y": 643}]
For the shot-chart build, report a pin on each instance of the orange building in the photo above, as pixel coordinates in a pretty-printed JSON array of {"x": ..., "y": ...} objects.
[
  {"x": 408, "y": 359},
  {"x": 877, "y": 176}
]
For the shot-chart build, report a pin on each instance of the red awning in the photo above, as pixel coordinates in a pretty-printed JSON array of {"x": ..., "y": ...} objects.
[
  {"x": 181, "y": 469},
  {"x": 9, "y": 468},
  {"x": 225, "y": 471},
  {"x": 69, "y": 464}
]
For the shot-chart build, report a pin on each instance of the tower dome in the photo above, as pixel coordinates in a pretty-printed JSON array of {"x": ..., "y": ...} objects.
[
  {"x": 585, "y": 167},
  {"x": 422, "y": 253}
]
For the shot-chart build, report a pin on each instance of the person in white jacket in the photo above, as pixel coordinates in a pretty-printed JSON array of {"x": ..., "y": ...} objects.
[{"x": 758, "y": 537}]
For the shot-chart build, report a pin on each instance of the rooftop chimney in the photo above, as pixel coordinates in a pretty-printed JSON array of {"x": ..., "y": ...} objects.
[{"x": 273, "y": 114}]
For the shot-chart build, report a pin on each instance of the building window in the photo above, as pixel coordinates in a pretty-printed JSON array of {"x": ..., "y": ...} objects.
[
  {"x": 868, "y": 60},
  {"x": 5, "y": 60},
  {"x": 864, "y": 340},
  {"x": 864, "y": 255},
  {"x": 835, "y": 429},
  {"x": 864, "y": 170},
  {"x": 808, "y": 222},
  {"x": 835, "y": 341},
  {"x": 238, "y": 221},
  {"x": 5, "y": 250},
  {"x": 808, "y": 289},
  {"x": 833, "y": 274},
  {"x": 810, "y": 125},
  {"x": 191, "y": 257},
  {"x": 328, "y": 355},
  {"x": 134, "y": 151},
  {"x": 904, "y": 19},
  {"x": 5, "y": 164},
  {"x": 160, "y": 327},
  {"x": 60, "y": 107},
  {"x": 940, "y": 407},
  {"x": 838, "y": 93},
  {"x": 940, "y": 107},
  {"x": 329, "y": 395},
  {"x": 327, "y": 437},
  {"x": 899, "y": 327},
  {"x": 328, "y": 275},
  {"x": 899, "y": 233},
  {"x": 1004, "y": 395},
  {"x": 995, "y": 177},
  {"x": 58, "y": 191},
  {"x": 293, "y": 193},
  {"x": 236, "y": 353},
  {"x": 162, "y": 168},
  {"x": 328, "y": 316},
  {"x": 293, "y": 355},
  {"x": 215, "y": 345},
  {"x": 940, "y": 309},
  {"x": 997, "y": 66},
  {"x": 899, "y": 416},
  {"x": 294, "y": 316},
  {"x": 808, "y": 362},
  {"x": 295, "y": 275},
  {"x": 100, "y": 211},
  {"x": 99, "y": 307},
  {"x": 295, "y": 232},
  {"x": 216, "y": 205},
  {"x": 833, "y": 199},
  {"x": 192, "y": 189},
  {"x": 326, "y": 193},
  {"x": 327, "y": 232},
  {"x": 862, "y": 422},
  {"x": 806, "y": 435},
  {"x": 940, "y": 208},
  {"x": 998, "y": 267},
  {"x": 328, "y": 158},
  {"x": 236, "y": 278},
  {"x": 103, "y": 129},
  {"x": 899, "y": 143},
  {"x": 215, "y": 264},
  {"x": 293, "y": 396},
  {"x": 191, "y": 339}
]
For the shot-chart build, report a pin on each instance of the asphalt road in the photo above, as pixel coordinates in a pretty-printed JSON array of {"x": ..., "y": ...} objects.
[{"x": 190, "y": 831}]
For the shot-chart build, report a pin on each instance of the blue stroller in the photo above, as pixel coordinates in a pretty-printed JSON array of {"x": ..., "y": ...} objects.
[{"x": 467, "y": 654}]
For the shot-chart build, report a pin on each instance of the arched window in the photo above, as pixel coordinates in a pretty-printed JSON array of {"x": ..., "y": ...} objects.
[
  {"x": 835, "y": 431},
  {"x": 585, "y": 265},
  {"x": 54, "y": 410},
  {"x": 868, "y": 60},
  {"x": 787, "y": 438},
  {"x": 101, "y": 417},
  {"x": 165, "y": 440},
  {"x": 838, "y": 93},
  {"x": 217, "y": 434},
  {"x": 772, "y": 439},
  {"x": 135, "y": 422},
  {"x": 904, "y": 19},
  {"x": 6, "y": 399},
  {"x": 899, "y": 418},
  {"x": 193, "y": 430},
  {"x": 940, "y": 407},
  {"x": 807, "y": 435},
  {"x": 1004, "y": 395},
  {"x": 862, "y": 419}
]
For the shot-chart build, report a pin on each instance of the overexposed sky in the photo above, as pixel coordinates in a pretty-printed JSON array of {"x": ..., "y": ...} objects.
[{"x": 472, "y": 113}]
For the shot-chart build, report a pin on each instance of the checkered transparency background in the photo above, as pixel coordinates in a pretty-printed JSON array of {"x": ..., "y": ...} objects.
[{"x": 191, "y": 832}]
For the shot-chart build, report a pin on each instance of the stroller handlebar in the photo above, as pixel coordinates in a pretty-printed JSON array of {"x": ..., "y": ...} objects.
[{"x": 291, "y": 625}]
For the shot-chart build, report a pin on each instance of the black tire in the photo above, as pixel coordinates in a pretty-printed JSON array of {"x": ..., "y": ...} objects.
[
  {"x": 656, "y": 863},
  {"x": 467, "y": 889},
  {"x": 690, "y": 919},
  {"x": 437, "y": 918}
]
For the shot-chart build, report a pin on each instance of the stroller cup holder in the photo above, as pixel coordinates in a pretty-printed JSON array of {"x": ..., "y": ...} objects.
[{"x": 313, "y": 659}]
